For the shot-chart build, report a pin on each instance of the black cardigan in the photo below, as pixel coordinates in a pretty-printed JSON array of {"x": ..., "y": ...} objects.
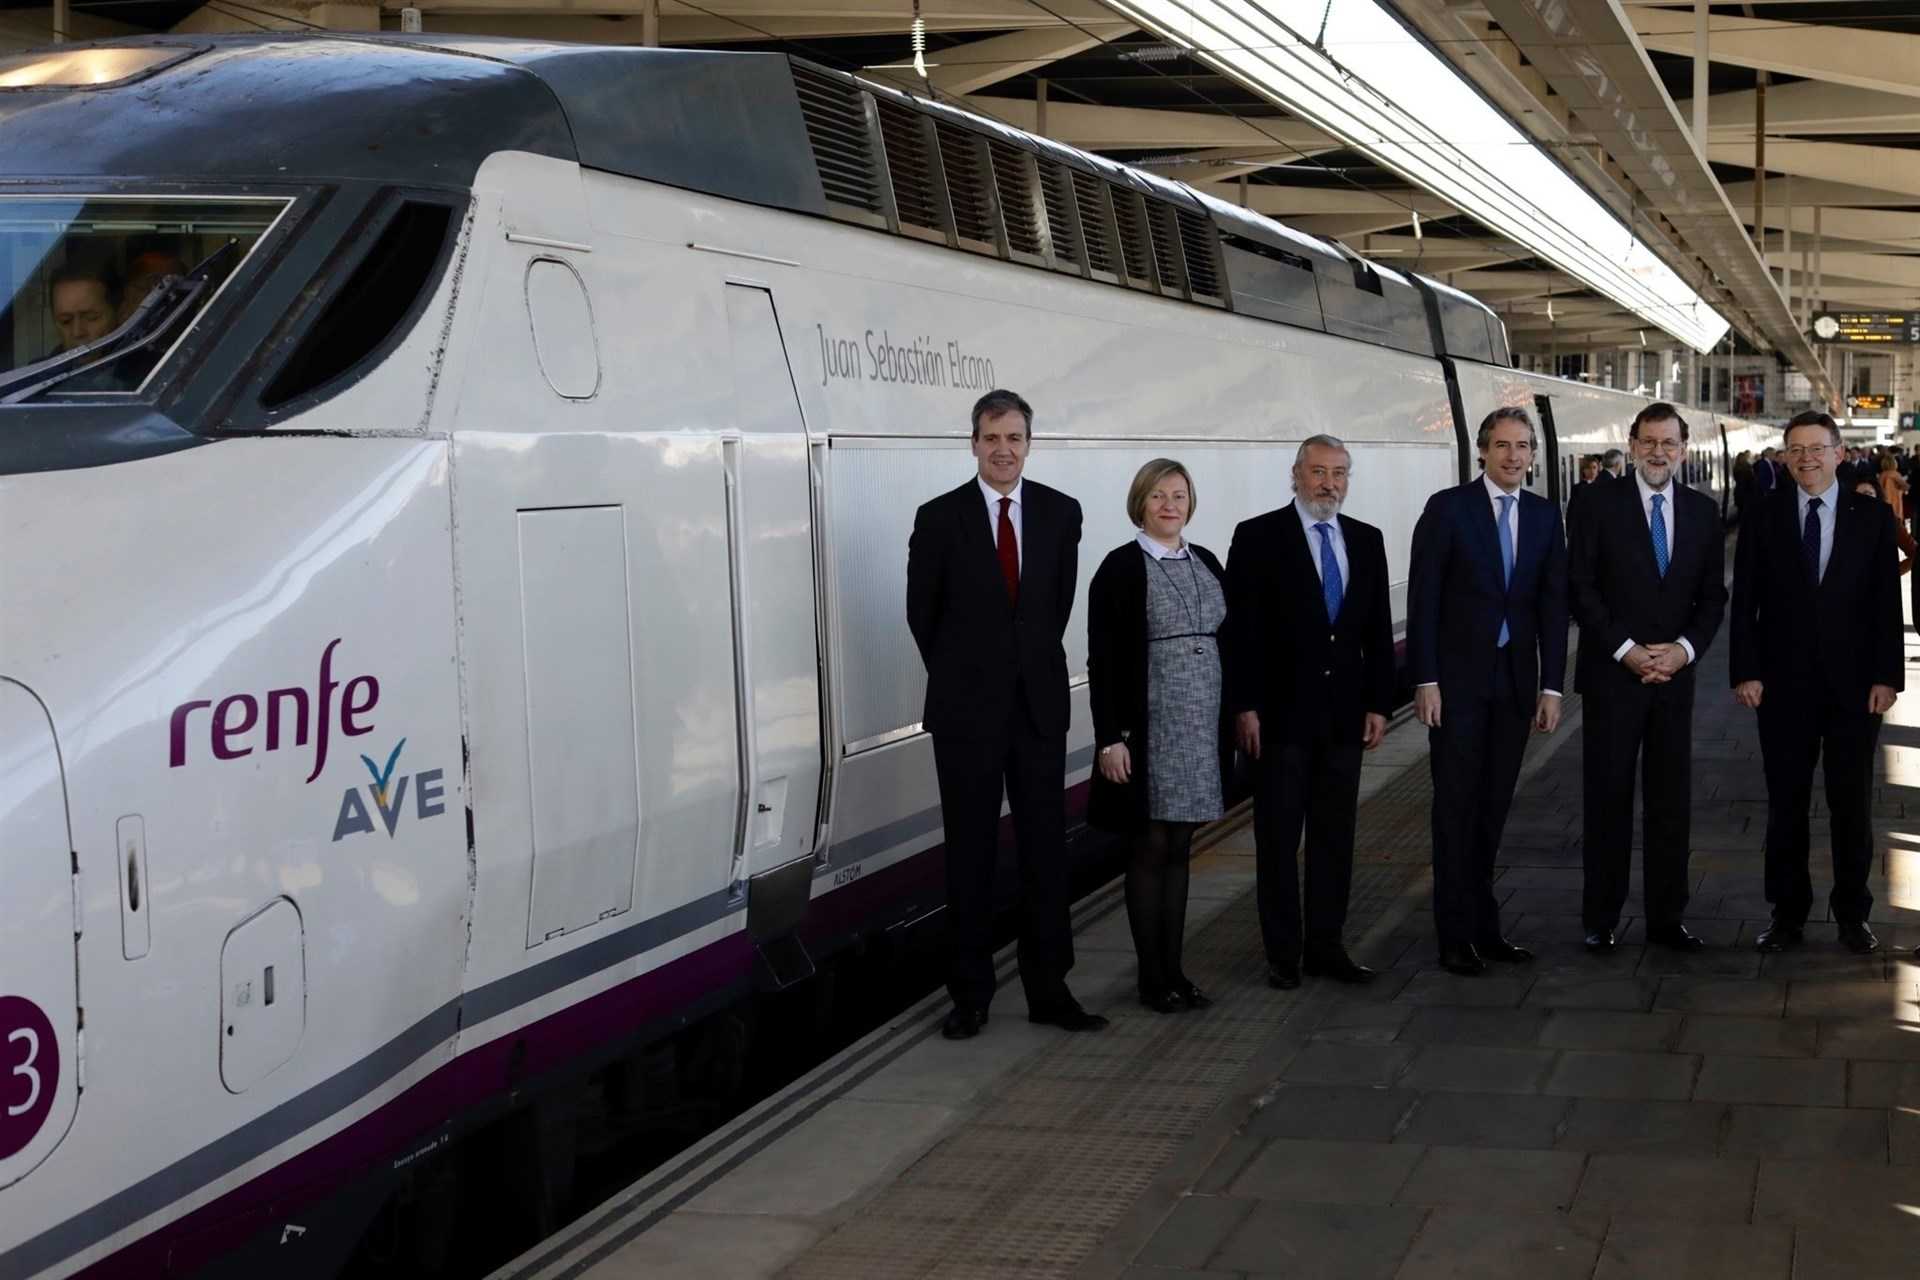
[{"x": 1117, "y": 682}]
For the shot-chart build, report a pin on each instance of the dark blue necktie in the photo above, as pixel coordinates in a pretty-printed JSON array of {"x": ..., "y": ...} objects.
[
  {"x": 1659, "y": 535},
  {"x": 1506, "y": 554},
  {"x": 1810, "y": 539},
  {"x": 1332, "y": 589}
]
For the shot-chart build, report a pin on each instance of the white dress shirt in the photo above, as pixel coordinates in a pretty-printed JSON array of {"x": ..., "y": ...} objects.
[
  {"x": 1494, "y": 494},
  {"x": 1158, "y": 552},
  {"x": 1666, "y": 518},
  {"x": 1013, "y": 514},
  {"x": 1335, "y": 536},
  {"x": 1827, "y": 501}
]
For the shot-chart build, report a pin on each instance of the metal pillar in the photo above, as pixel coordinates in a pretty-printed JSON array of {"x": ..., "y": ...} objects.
[
  {"x": 1040, "y": 111},
  {"x": 1786, "y": 243},
  {"x": 1760, "y": 163},
  {"x": 62, "y": 21},
  {"x": 1818, "y": 296},
  {"x": 1700, "y": 65},
  {"x": 650, "y": 24}
]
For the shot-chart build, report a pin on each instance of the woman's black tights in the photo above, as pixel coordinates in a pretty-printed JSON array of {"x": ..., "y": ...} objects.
[{"x": 1157, "y": 902}]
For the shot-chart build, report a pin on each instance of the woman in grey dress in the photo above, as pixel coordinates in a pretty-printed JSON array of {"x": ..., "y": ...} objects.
[{"x": 1154, "y": 613}]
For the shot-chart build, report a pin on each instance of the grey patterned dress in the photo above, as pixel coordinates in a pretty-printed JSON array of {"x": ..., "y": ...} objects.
[{"x": 1183, "y": 689}]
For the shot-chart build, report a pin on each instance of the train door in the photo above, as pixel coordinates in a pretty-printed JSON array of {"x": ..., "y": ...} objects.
[
  {"x": 1544, "y": 478},
  {"x": 776, "y": 628}
]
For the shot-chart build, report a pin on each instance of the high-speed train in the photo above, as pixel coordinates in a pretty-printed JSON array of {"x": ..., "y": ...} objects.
[{"x": 454, "y": 498}]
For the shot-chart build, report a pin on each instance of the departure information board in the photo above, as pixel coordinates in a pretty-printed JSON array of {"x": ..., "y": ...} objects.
[
  {"x": 1871, "y": 328},
  {"x": 1870, "y": 406}
]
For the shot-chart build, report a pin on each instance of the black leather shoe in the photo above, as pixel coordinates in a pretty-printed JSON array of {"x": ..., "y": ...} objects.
[
  {"x": 1463, "y": 960},
  {"x": 1858, "y": 938},
  {"x": 963, "y": 1023},
  {"x": 1068, "y": 1016},
  {"x": 1162, "y": 1001},
  {"x": 1676, "y": 937},
  {"x": 1338, "y": 965},
  {"x": 1779, "y": 937},
  {"x": 1192, "y": 996},
  {"x": 1601, "y": 941},
  {"x": 1503, "y": 951},
  {"x": 1284, "y": 976}
]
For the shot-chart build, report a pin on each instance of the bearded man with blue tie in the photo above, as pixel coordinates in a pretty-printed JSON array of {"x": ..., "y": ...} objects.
[
  {"x": 1487, "y": 649},
  {"x": 1647, "y": 574},
  {"x": 1817, "y": 648}
]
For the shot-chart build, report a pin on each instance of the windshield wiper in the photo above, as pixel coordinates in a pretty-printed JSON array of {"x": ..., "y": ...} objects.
[{"x": 171, "y": 299}]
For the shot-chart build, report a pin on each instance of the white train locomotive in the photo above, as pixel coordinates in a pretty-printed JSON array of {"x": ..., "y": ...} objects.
[{"x": 453, "y": 509}]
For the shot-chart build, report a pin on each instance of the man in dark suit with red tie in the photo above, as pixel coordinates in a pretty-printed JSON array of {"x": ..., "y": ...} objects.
[
  {"x": 1646, "y": 573},
  {"x": 1487, "y": 649},
  {"x": 1817, "y": 648},
  {"x": 991, "y": 572}
]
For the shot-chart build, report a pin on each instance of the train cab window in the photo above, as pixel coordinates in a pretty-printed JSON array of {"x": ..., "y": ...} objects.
[
  {"x": 88, "y": 68},
  {"x": 377, "y": 302},
  {"x": 95, "y": 291}
]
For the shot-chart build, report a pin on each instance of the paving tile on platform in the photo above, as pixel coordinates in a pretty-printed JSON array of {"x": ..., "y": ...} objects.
[
  {"x": 1609, "y": 1030},
  {"x": 1687, "y": 994},
  {"x": 1327, "y": 1172},
  {"x": 1613, "y": 1124},
  {"x": 1457, "y": 1024},
  {"x": 1623, "y": 1075},
  {"x": 1867, "y": 1198},
  {"x": 1848, "y": 1253},
  {"x": 1890, "y": 1001},
  {"x": 1348, "y": 1113},
  {"x": 1197, "y": 1226},
  {"x": 1589, "y": 988},
  {"x": 1483, "y": 1068},
  {"x": 1808, "y": 1082},
  {"x": 705, "y": 1246},
  {"x": 1459, "y": 1244},
  {"x": 1494, "y": 1178},
  {"x": 1335, "y": 1062},
  {"x": 1649, "y": 1249},
  {"x": 1808, "y": 1133},
  {"x": 1748, "y": 1036},
  {"x": 1692, "y": 1188},
  {"x": 1321, "y": 1241},
  {"x": 1869, "y": 1038},
  {"x": 1492, "y": 990},
  {"x": 1485, "y": 1120}
]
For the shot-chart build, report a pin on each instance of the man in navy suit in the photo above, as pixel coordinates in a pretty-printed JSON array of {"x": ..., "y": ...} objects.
[
  {"x": 1487, "y": 646},
  {"x": 1646, "y": 576}
]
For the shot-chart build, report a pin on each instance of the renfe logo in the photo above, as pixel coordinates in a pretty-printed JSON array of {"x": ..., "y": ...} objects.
[{"x": 236, "y": 715}]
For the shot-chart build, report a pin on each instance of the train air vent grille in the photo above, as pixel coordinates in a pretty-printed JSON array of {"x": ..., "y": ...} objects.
[
  {"x": 963, "y": 159},
  {"x": 1136, "y": 242},
  {"x": 1163, "y": 220},
  {"x": 1063, "y": 223},
  {"x": 910, "y": 166},
  {"x": 1096, "y": 223},
  {"x": 836, "y": 117},
  {"x": 1020, "y": 204},
  {"x": 1201, "y": 241}
]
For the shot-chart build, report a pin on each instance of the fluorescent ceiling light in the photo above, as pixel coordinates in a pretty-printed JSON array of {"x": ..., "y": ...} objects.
[{"x": 1387, "y": 94}]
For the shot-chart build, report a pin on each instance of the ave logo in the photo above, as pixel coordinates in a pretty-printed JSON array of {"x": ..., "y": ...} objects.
[{"x": 388, "y": 793}]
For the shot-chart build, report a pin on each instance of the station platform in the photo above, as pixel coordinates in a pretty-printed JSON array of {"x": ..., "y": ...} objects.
[{"x": 1639, "y": 1114}]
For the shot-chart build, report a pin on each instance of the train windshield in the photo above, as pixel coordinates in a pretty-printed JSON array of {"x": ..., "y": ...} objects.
[{"x": 95, "y": 290}]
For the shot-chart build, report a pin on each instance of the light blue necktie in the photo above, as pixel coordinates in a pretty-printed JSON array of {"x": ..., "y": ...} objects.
[
  {"x": 1332, "y": 589},
  {"x": 1506, "y": 554},
  {"x": 1659, "y": 535}
]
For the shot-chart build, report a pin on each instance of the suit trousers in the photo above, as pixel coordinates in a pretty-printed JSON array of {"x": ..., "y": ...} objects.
[
  {"x": 1794, "y": 735},
  {"x": 1627, "y": 724},
  {"x": 1031, "y": 767},
  {"x": 1315, "y": 785},
  {"x": 1475, "y": 759}
]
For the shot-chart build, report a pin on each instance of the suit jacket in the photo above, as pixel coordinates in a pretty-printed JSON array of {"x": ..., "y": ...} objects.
[
  {"x": 1117, "y": 681},
  {"x": 1306, "y": 679},
  {"x": 1456, "y": 598},
  {"x": 1807, "y": 640},
  {"x": 982, "y": 653},
  {"x": 1617, "y": 591}
]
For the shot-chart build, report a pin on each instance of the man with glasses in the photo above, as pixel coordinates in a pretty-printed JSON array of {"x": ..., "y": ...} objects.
[
  {"x": 1816, "y": 649},
  {"x": 1646, "y": 576}
]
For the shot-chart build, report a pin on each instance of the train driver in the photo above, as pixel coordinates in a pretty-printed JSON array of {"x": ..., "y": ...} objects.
[{"x": 83, "y": 305}]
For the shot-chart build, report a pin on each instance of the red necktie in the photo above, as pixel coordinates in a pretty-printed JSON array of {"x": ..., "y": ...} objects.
[{"x": 1009, "y": 550}]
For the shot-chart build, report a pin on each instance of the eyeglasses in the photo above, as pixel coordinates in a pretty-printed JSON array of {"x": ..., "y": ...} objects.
[{"x": 1798, "y": 451}]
